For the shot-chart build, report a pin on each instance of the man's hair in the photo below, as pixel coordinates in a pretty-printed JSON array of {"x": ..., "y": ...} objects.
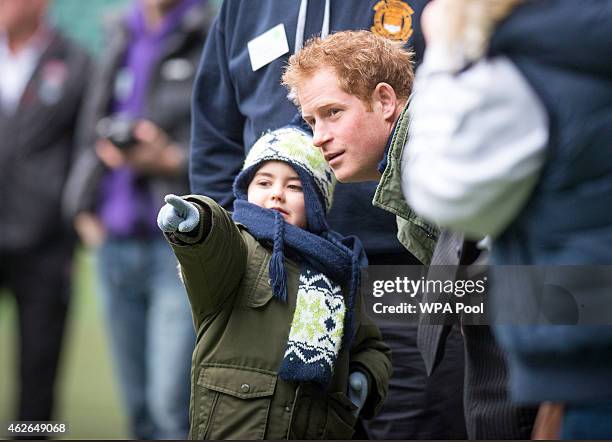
[{"x": 360, "y": 60}]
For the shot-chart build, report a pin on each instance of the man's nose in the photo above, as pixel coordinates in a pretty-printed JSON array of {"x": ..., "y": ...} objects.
[{"x": 320, "y": 135}]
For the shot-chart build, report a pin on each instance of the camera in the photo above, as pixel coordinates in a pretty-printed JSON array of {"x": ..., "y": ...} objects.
[{"x": 119, "y": 130}]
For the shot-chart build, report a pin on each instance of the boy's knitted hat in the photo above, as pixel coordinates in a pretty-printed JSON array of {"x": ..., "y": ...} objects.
[{"x": 293, "y": 145}]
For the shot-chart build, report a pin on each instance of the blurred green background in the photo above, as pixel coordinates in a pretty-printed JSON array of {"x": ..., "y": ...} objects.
[
  {"x": 88, "y": 396},
  {"x": 81, "y": 19}
]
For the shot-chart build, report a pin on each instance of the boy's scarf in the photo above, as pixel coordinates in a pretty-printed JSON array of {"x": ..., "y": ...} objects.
[{"x": 328, "y": 261}]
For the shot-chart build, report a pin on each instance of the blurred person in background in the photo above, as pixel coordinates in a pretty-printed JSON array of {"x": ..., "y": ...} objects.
[
  {"x": 134, "y": 140},
  {"x": 238, "y": 96},
  {"x": 525, "y": 89},
  {"x": 42, "y": 80}
]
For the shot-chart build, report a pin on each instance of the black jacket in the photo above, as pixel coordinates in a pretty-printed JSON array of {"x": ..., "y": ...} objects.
[
  {"x": 167, "y": 105},
  {"x": 36, "y": 148}
]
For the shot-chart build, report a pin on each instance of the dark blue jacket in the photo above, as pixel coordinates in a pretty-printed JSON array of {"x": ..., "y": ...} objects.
[
  {"x": 166, "y": 104},
  {"x": 233, "y": 106},
  {"x": 564, "y": 50}
]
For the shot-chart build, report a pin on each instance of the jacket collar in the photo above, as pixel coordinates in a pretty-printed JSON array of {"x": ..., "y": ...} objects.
[{"x": 416, "y": 234}]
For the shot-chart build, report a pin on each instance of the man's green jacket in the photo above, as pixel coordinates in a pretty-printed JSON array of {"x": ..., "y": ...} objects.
[{"x": 416, "y": 235}]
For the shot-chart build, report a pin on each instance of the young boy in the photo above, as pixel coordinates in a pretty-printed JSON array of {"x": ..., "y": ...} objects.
[{"x": 282, "y": 350}]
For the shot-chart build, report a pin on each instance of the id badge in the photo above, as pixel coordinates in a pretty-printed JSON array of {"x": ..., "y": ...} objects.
[{"x": 268, "y": 46}]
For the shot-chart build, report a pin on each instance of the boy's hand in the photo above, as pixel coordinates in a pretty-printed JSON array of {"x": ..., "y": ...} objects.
[
  {"x": 358, "y": 390},
  {"x": 177, "y": 215}
]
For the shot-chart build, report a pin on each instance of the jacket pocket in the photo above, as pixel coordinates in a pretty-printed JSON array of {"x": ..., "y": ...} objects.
[
  {"x": 233, "y": 402},
  {"x": 340, "y": 419}
]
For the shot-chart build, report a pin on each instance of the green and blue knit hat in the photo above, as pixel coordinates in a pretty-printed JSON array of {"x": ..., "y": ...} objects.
[{"x": 293, "y": 145}]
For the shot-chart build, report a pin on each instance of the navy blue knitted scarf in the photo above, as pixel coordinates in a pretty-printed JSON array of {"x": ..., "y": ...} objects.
[{"x": 337, "y": 257}]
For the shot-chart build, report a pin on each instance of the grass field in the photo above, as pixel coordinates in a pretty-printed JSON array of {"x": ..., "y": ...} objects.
[{"x": 88, "y": 395}]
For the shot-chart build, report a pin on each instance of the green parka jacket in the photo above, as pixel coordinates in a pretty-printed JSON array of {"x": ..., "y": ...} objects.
[
  {"x": 413, "y": 232},
  {"x": 242, "y": 332}
]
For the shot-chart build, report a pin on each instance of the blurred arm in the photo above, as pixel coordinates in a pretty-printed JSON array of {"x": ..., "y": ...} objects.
[
  {"x": 217, "y": 151},
  {"x": 477, "y": 143},
  {"x": 212, "y": 258}
]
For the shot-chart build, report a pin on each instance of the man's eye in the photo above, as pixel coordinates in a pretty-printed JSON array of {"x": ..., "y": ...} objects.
[{"x": 334, "y": 111}]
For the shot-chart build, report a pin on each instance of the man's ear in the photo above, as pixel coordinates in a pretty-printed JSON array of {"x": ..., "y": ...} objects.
[{"x": 384, "y": 95}]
